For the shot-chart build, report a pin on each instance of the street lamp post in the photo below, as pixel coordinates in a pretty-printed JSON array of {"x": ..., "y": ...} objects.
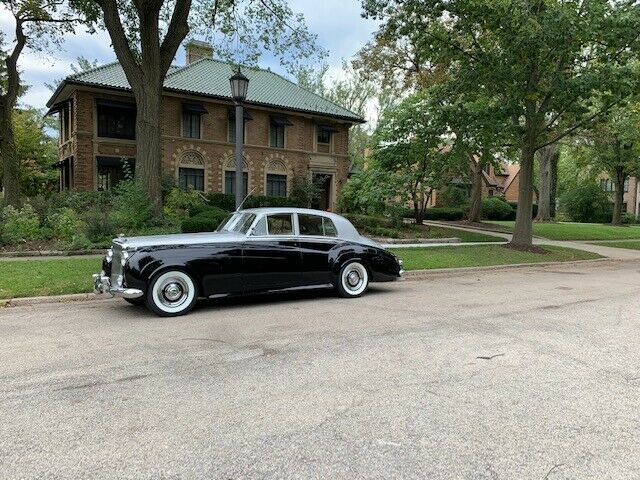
[{"x": 239, "y": 87}]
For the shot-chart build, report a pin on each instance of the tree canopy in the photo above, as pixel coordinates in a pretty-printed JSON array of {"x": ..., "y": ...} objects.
[{"x": 547, "y": 62}]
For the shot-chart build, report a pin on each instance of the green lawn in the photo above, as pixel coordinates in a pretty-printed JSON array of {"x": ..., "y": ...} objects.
[
  {"x": 482, "y": 255},
  {"x": 32, "y": 278},
  {"x": 634, "y": 245},
  {"x": 579, "y": 231},
  {"x": 424, "y": 232}
]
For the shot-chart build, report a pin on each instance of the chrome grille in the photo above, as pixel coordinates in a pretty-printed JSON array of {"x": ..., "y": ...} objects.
[{"x": 116, "y": 266}]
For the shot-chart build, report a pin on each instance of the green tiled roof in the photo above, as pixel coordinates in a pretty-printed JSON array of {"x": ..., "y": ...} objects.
[{"x": 210, "y": 78}]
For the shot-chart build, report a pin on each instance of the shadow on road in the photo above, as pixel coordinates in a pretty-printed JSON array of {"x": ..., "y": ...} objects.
[{"x": 266, "y": 299}]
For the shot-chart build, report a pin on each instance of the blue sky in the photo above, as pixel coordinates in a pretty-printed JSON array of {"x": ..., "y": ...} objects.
[{"x": 338, "y": 24}]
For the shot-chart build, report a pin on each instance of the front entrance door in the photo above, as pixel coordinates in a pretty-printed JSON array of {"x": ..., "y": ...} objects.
[{"x": 323, "y": 181}]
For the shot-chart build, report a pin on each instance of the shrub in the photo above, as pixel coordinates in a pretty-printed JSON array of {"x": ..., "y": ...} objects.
[
  {"x": 65, "y": 224},
  {"x": 207, "y": 220},
  {"x": 587, "y": 203},
  {"x": 514, "y": 206},
  {"x": 368, "y": 222},
  {"x": 80, "y": 242},
  {"x": 19, "y": 225},
  {"x": 223, "y": 201},
  {"x": 132, "y": 207},
  {"x": 495, "y": 208},
  {"x": 227, "y": 202},
  {"x": 629, "y": 219},
  {"x": 450, "y": 214},
  {"x": 178, "y": 203},
  {"x": 98, "y": 225},
  {"x": 452, "y": 196}
]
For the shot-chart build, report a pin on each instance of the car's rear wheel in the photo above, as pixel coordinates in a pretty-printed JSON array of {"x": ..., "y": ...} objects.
[
  {"x": 171, "y": 293},
  {"x": 353, "y": 280}
]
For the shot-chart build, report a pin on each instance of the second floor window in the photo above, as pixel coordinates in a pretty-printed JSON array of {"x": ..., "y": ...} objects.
[
  {"x": 277, "y": 126},
  {"x": 191, "y": 119},
  {"x": 324, "y": 138},
  {"x": 277, "y": 135},
  {"x": 190, "y": 125},
  {"x": 232, "y": 125},
  {"x": 116, "y": 119}
]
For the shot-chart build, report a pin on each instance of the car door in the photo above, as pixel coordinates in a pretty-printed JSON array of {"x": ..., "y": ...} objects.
[
  {"x": 271, "y": 255},
  {"x": 318, "y": 236}
]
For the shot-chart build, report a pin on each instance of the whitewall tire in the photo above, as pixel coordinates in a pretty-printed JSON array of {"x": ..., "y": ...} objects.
[
  {"x": 353, "y": 280},
  {"x": 171, "y": 294}
]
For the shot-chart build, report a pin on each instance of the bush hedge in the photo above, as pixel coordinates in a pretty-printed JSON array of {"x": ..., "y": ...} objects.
[
  {"x": 228, "y": 202},
  {"x": 205, "y": 220},
  {"x": 441, "y": 213},
  {"x": 587, "y": 203},
  {"x": 495, "y": 208}
]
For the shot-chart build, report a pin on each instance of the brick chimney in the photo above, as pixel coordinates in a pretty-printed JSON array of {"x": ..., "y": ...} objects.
[{"x": 196, "y": 50}]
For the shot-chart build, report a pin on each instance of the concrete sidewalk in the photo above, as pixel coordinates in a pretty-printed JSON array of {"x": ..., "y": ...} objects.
[{"x": 609, "y": 252}]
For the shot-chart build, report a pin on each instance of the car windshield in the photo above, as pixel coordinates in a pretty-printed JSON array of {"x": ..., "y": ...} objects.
[{"x": 237, "y": 223}]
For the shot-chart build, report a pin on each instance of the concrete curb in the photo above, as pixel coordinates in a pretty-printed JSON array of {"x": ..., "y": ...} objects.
[
  {"x": 54, "y": 299},
  {"x": 412, "y": 275},
  {"x": 420, "y": 241},
  {"x": 51, "y": 253},
  {"x": 422, "y": 274}
]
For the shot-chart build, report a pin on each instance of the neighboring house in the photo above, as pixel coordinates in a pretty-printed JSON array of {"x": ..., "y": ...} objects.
[
  {"x": 631, "y": 201},
  {"x": 503, "y": 182},
  {"x": 289, "y": 132}
]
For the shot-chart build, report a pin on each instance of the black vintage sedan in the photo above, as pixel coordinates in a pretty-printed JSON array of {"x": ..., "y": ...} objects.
[{"x": 253, "y": 251}]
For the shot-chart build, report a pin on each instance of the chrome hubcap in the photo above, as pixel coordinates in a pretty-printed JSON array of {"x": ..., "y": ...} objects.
[
  {"x": 174, "y": 292},
  {"x": 353, "y": 278}
]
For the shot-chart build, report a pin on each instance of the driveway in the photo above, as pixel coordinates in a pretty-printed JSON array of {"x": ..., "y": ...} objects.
[{"x": 531, "y": 373}]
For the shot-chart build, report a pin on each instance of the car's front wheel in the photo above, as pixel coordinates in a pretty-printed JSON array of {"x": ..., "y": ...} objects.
[
  {"x": 353, "y": 280},
  {"x": 171, "y": 294}
]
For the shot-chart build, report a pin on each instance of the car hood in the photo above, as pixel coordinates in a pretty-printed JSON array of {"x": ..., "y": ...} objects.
[{"x": 178, "y": 239}]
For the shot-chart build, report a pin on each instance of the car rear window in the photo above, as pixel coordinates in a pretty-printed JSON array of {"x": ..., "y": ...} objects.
[{"x": 316, "y": 225}]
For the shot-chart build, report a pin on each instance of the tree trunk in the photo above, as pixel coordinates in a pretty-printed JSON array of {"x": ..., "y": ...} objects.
[
  {"x": 619, "y": 180},
  {"x": 553, "y": 184},
  {"x": 10, "y": 162},
  {"x": 476, "y": 191},
  {"x": 148, "y": 147},
  {"x": 544, "y": 191},
  {"x": 522, "y": 234}
]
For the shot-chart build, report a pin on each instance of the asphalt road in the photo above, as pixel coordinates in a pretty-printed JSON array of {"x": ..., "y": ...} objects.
[{"x": 527, "y": 373}]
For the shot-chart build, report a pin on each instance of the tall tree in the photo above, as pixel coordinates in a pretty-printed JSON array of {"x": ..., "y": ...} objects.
[
  {"x": 36, "y": 150},
  {"x": 612, "y": 146},
  {"x": 38, "y": 25},
  {"x": 414, "y": 149},
  {"x": 545, "y": 59},
  {"x": 146, "y": 34},
  {"x": 547, "y": 156}
]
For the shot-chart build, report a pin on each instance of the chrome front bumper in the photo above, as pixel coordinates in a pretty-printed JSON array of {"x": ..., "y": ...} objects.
[{"x": 102, "y": 284}]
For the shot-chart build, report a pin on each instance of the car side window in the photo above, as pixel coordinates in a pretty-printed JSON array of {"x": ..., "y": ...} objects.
[
  {"x": 261, "y": 227},
  {"x": 310, "y": 224},
  {"x": 316, "y": 225},
  {"x": 280, "y": 224}
]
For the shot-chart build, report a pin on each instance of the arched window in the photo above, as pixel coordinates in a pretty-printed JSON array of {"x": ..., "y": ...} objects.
[
  {"x": 276, "y": 178},
  {"x": 229, "y": 174}
]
